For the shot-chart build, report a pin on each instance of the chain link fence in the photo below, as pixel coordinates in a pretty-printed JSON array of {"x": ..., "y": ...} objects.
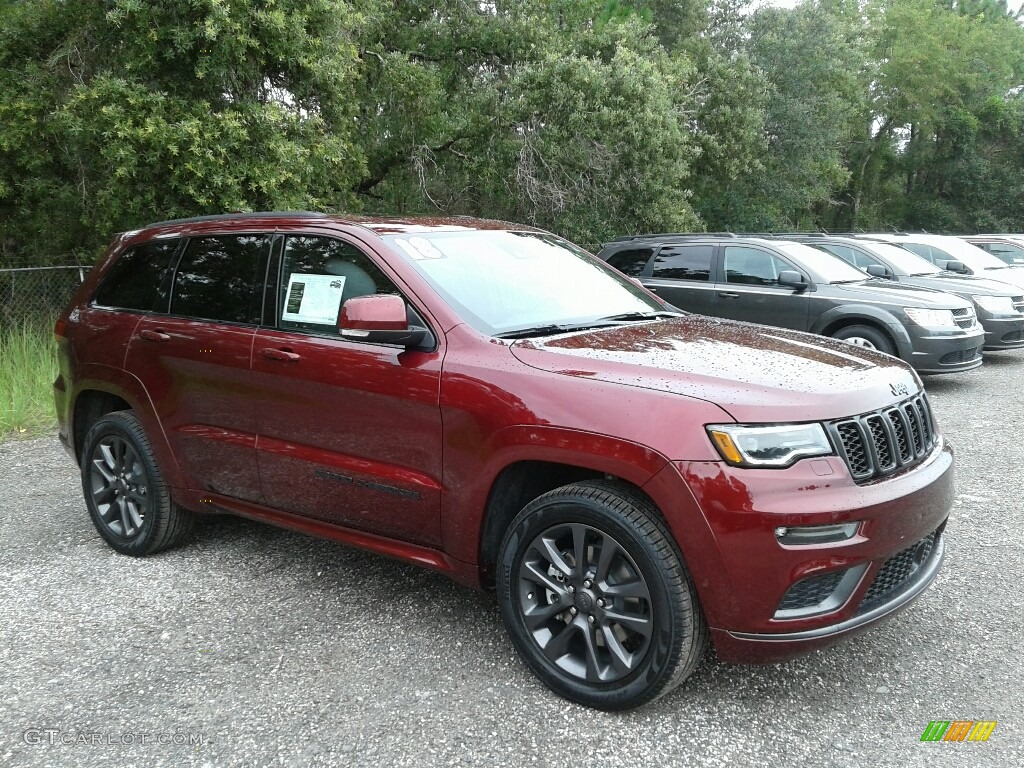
[{"x": 36, "y": 294}]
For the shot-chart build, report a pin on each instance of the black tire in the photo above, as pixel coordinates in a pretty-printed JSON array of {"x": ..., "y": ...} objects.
[
  {"x": 128, "y": 501},
  {"x": 600, "y": 620},
  {"x": 866, "y": 337}
]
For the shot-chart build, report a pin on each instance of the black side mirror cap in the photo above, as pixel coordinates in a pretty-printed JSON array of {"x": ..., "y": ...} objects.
[
  {"x": 954, "y": 266},
  {"x": 792, "y": 279}
]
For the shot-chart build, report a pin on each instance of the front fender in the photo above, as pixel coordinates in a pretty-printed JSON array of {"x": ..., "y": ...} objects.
[{"x": 867, "y": 315}]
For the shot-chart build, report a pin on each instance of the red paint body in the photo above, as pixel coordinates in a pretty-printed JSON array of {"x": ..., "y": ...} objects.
[{"x": 398, "y": 451}]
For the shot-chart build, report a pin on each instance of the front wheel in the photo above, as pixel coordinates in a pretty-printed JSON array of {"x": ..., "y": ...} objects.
[
  {"x": 865, "y": 337},
  {"x": 128, "y": 501},
  {"x": 596, "y": 598}
]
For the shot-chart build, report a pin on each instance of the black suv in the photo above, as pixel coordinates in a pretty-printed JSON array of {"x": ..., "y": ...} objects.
[
  {"x": 791, "y": 285},
  {"x": 999, "y": 306}
]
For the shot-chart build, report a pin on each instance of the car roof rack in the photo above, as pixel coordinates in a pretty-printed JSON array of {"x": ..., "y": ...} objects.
[
  {"x": 241, "y": 215},
  {"x": 671, "y": 236}
]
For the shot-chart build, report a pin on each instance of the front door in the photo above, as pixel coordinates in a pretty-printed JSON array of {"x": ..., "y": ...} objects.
[
  {"x": 349, "y": 432},
  {"x": 750, "y": 290}
]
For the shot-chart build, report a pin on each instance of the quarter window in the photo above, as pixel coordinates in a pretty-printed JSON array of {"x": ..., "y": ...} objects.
[
  {"x": 135, "y": 281},
  {"x": 752, "y": 266},
  {"x": 217, "y": 279},
  {"x": 684, "y": 262},
  {"x": 631, "y": 262},
  {"x": 318, "y": 276}
]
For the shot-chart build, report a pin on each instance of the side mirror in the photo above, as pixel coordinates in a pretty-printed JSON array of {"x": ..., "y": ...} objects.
[
  {"x": 380, "y": 319},
  {"x": 792, "y": 279},
  {"x": 954, "y": 266},
  {"x": 877, "y": 270}
]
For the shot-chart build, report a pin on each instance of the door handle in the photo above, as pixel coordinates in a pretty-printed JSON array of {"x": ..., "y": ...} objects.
[
  {"x": 728, "y": 295},
  {"x": 652, "y": 288},
  {"x": 151, "y": 335},
  {"x": 280, "y": 354}
]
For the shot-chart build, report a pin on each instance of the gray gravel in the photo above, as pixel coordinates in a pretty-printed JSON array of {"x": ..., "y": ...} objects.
[{"x": 273, "y": 649}]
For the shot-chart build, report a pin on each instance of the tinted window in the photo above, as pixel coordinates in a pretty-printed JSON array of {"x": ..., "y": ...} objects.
[
  {"x": 319, "y": 275},
  {"x": 752, "y": 266},
  {"x": 217, "y": 279},
  {"x": 1011, "y": 254},
  {"x": 631, "y": 262},
  {"x": 934, "y": 255},
  {"x": 684, "y": 262},
  {"x": 134, "y": 282}
]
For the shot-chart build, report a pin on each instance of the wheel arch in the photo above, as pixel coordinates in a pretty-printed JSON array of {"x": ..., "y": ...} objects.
[{"x": 884, "y": 322}]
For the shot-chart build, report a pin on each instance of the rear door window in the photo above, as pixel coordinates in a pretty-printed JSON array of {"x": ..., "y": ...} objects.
[
  {"x": 684, "y": 262},
  {"x": 631, "y": 262},
  {"x": 137, "y": 280},
  {"x": 218, "y": 278}
]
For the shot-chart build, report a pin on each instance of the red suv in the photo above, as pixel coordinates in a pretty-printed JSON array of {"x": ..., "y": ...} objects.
[{"x": 489, "y": 401}]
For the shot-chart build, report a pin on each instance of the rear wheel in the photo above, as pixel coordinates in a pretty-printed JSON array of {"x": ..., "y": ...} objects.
[
  {"x": 596, "y": 597},
  {"x": 128, "y": 501},
  {"x": 866, "y": 337}
]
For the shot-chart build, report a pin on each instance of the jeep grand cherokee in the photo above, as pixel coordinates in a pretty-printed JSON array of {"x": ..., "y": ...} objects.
[{"x": 489, "y": 401}]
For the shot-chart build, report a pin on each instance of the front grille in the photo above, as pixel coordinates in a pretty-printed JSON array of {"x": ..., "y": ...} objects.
[
  {"x": 963, "y": 356},
  {"x": 878, "y": 443},
  {"x": 811, "y": 591},
  {"x": 964, "y": 317},
  {"x": 1018, "y": 303},
  {"x": 897, "y": 570}
]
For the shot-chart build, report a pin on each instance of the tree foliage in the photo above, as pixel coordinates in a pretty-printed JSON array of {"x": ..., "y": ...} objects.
[{"x": 589, "y": 117}]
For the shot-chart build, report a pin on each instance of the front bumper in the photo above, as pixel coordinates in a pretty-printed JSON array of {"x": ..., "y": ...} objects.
[
  {"x": 947, "y": 353},
  {"x": 743, "y": 573},
  {"x": 1002, "y": 332}
]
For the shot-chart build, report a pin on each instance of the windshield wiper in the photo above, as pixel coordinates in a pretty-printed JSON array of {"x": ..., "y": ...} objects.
[
  {"x": 551, "y": 330},
  {"x": 627, "y": 317}
]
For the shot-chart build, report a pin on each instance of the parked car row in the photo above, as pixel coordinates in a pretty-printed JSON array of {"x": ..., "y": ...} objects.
[{"x": 934, "y": 302}]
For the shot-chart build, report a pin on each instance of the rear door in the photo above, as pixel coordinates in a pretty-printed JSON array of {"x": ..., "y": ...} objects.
[
  {"x": 349, "y": 432},
  {"x": 749, "y": 289},
  {"x": 194, "y": 361},
  {"x": 681, "y": 275}
]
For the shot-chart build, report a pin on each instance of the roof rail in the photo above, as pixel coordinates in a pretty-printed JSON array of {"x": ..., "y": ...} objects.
[
  {"x": 671, "y": 235},
  {"x": 241, "y": 215}
]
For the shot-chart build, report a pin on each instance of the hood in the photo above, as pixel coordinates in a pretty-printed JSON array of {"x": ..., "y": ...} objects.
[
  {"x": 754, "y": 372},
  {"x": 898, "y": 293},
  {"x": 1011, "y": 275},
  {"x": 977, "y": 286}
]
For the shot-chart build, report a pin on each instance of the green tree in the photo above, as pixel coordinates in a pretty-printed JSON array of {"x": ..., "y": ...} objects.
[{"x": 117, "y": 112}]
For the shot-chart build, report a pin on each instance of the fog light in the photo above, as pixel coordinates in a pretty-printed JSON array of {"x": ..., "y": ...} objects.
[{"x": 816, "y": 534}]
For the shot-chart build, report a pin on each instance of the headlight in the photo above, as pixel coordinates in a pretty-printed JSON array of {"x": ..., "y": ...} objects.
[
  {"x": 931, "y": 318},
  {"x": 999, "y": 305},
  {"x": 775, "y": 446}
]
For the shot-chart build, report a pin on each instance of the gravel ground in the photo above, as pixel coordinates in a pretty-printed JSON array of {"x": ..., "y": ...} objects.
[{"x": 273, "y": 649}]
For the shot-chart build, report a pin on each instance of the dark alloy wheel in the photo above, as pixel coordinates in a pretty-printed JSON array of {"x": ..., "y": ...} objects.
[
  {"x": 596, "y": 597},
  {"x": 124, "y": 491}
]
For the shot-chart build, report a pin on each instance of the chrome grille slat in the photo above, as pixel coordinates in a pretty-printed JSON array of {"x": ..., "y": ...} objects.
[{"x": 878, "y": 443}]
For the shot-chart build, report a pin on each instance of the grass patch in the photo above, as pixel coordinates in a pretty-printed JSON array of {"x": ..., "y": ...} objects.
[{"x": 28, "y": 366}]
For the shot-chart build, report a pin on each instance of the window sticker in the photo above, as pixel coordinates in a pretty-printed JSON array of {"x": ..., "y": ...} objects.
[
  {"x": 419, "y": 248},
  {"x": 313, "y": 299}
]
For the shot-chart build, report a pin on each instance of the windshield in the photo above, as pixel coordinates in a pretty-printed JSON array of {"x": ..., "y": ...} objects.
[
  {"x": 501, "y": 281},
  {"x": 828, "y": 266},
  {"x": 904, "y": 262},
  {"x": 971, "y": 255}
]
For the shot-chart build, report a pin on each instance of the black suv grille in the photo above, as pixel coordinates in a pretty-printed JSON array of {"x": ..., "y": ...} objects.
[
  {"x": 897, "y": 570},
  {"x": 875, "y": 444},
  {"x": 964, "y": 317}
]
